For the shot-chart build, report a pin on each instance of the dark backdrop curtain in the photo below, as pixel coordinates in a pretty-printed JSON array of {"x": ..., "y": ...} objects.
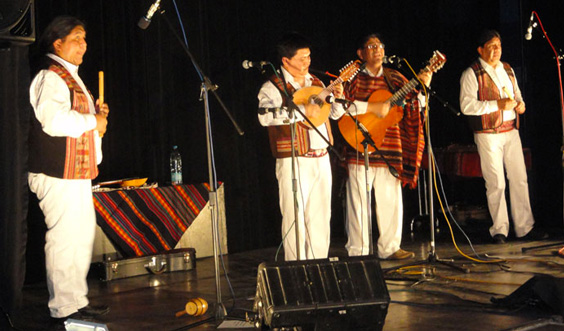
[
  {"x": 14, "y": 114},
  {"x": 153, "y": 91}
]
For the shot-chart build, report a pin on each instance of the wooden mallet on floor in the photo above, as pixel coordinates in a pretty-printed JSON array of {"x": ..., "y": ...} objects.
[{"x": 194, "y": 307}]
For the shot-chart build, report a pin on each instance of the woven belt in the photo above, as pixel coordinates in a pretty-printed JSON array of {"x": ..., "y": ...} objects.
[
  {"x": 316, "y": 153},
  {"x": 504, "y": 127}
]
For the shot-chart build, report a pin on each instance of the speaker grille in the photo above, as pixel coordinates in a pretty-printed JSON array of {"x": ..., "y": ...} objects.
[
  {"x": 17, "y": 21},
  {"x": 340, "y": 294}
]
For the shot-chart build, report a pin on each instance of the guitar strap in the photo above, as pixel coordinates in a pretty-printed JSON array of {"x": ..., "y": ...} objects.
[
  {"x": 389, "y": 81},
  {"x": 286, "y": 90},
  {"x": 283, "y": 88}
]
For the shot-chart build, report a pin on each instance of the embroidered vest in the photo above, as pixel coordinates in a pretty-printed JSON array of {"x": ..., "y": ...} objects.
[
  {"x": 280, "y": 135},
  {"x": 64, "y": 157},
  {"x": 487, "y": 90}
]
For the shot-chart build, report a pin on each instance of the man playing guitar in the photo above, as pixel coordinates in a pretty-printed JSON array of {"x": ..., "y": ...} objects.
[
  {"x": 293, "y": 86},
  {"x": 402, "y": 146},
  {"x": 312, "y": 168}
]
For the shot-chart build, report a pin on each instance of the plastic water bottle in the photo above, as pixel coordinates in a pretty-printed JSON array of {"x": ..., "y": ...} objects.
[{"x": 175, "y": 166}]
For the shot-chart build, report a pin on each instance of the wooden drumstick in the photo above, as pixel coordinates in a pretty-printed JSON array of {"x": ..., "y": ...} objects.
[
  {"x": 101, "y": 86},
  {"x": 101, "y": 91},
  {"x": 507, "y": 93},
  {"x": 180, "y": 313}
]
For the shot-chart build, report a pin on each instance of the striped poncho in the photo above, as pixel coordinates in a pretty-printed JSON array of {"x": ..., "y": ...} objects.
[{"x": 403, "y": 143}]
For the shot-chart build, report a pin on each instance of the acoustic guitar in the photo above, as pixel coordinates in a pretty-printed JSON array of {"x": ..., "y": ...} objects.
[
  {"x": 317, "y": 95},
  {"x": 377, "y": 126}
]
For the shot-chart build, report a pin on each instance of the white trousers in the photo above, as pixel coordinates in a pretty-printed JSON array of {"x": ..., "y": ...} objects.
[
  {"x": 499, "y": 152},
  {"x": 389, "y": 210},
  {"x": 71, "y": 220},
  {"x": 314, "y": 206}
]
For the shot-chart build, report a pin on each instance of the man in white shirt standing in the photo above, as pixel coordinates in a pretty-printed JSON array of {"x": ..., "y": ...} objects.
[
  {"x": 65, "y": 149},
  {"x": 312, "y": 165},
  {"x": 490, "y": 96}
]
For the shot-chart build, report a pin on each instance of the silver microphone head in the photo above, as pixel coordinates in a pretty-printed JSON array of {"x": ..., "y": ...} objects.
[
  {"x": 390, "y": 59},
  {"x": 529, "y": 34}
]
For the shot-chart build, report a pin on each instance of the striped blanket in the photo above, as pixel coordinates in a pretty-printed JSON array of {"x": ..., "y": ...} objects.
[{"x": 140, "y": 222}]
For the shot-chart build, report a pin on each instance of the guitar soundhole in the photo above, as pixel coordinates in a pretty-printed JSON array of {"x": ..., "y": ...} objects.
[{"x": 314, "y": 100}]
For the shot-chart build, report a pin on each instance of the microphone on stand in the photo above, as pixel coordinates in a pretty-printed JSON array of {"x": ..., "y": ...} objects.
[
  {"x": 146, "y": 20},
  {"x": 254, "y": 64},
  {"x": 392, "y": 59},
  {"x": 532, "y": 24},
  {"x": 332, "y": 99}
]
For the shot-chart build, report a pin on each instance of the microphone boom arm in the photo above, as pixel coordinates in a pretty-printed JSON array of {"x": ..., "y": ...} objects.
[{"x": 205, "y": 80}]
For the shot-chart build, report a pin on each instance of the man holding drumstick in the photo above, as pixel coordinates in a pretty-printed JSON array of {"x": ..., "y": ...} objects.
[{"x": 65, "y": 149}]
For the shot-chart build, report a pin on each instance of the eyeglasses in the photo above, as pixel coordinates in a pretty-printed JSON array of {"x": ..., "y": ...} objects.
[{"x": 375, "y": 46}]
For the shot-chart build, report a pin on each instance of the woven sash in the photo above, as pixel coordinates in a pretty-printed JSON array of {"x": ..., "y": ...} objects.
[
  {"x": 80, "y": 156},
  {"x": 280, "y": 135},
  {"x": 487, "y": 91}
]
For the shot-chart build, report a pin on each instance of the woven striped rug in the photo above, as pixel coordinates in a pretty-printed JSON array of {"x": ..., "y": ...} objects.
[{"x": 140, "y": 221}]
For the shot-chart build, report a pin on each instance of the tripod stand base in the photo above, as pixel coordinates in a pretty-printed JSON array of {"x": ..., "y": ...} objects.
[
  {"x": 220, "y": 312},
  {"x": 449, "y": 263},
  {"x": 433, "y": 259}
]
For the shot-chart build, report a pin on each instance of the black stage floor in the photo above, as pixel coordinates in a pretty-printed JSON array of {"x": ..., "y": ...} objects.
[{"x": 428, "y": 296}]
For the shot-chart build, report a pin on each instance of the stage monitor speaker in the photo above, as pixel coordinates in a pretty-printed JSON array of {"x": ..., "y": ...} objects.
[
  {"x": 326, "y": 294},
  {"x": 17, "y": 21}
]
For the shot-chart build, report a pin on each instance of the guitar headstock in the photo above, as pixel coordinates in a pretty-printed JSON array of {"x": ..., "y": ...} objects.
[
  {"x": 349, "y": 71},
  {"x": 436, "y": 62}
]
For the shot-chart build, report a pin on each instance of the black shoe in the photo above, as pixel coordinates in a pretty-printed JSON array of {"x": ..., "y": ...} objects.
[
  {"x": 94, "y": 310},
  {"x": 499, "y": 239},
  {"x": 535, "y": 234}
]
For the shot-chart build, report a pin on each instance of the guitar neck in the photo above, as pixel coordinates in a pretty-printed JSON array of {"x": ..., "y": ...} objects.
[
  {"x": 398, "y": 97},
  {"x": 331, "y": 86},
  {"x": 319, "y": 99}
]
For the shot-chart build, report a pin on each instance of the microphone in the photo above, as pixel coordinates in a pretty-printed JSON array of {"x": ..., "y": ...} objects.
[
  {"x": 254, "y": 64},
  {"x": 392, "y": 59},
  {"x": 529, "y": 34},
  {"x": 146, "y": 20},
  {"x": 332, "y": 99}
]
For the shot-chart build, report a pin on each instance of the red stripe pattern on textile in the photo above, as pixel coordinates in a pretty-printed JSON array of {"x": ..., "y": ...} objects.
[
  {"x": 80, "y": 158},
  {"x": 141, "y": 222},
  {"x": 403, "y": 143}
]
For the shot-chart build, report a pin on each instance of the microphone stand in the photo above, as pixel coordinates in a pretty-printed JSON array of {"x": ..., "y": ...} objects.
[
  {"x": 444, "y": 103},
  {"x": 207, "y": 85},
  {"x": 294, "y": 108},
  {"x": 557, "y": 57},
  {"x": 432, "y": 256},
  {"x": 369, "y": 141}
]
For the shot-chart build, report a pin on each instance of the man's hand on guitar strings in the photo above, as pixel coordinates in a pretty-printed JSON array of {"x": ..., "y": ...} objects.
[{"x": 380, "y": 109}]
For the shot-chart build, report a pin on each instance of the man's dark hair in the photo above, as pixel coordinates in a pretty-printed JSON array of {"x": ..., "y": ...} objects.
[
  {"x": 486, "y": 36},
  {"x": 289, "y": 45},
  {"x": 59, "y": 28},
  {"x": 360, "y": 42}
]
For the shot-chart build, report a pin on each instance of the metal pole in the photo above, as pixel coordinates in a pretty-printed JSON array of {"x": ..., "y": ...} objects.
[{"x": 220, "y": 311}]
